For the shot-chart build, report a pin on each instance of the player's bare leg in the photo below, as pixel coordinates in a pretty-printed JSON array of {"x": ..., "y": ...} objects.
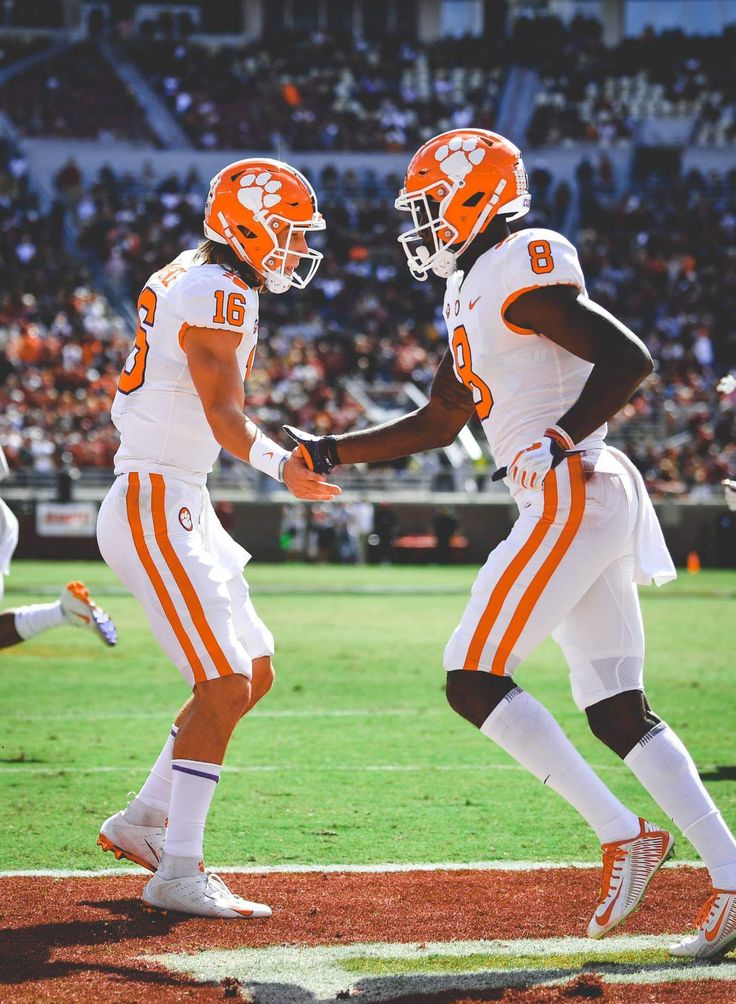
[
  {"x": 8, "y": 633},
  {"x": 659, "y": 760},
  {"x": 519, "y": 724},
  {"x": 261, "y": 681},
  {"x": 633, "y": 848}
]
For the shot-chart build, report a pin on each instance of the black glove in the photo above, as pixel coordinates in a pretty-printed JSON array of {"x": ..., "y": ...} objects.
[{"x": 319, "y": 452}]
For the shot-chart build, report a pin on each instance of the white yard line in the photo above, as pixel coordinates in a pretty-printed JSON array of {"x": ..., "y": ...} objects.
[
  {"x": 164, "y": 716},
  {"x": 301, "y": 869},
  {"x": 299, "y": 974},
  {"x": 291, "y": 768}
]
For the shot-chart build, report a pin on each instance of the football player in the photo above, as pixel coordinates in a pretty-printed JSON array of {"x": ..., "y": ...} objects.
[
  {"x": 179, "y": 400},
  {"x": 74, "y": 607},
  {"x": 727, "y": 385},
  {"x": 544, "y": 368}
]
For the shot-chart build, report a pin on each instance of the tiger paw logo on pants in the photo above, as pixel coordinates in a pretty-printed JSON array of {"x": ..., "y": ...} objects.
[{"x": 185, "y": 518}]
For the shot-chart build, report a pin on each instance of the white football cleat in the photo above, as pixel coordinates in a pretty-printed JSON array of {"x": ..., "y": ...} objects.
[
  {"x": 143, "y": 845},
  {"x": 202, "y": 895},
  {"x": 628, "y": 868},
  {"x": 81, "y": 611},
  {"x": 715, "y": 928}
]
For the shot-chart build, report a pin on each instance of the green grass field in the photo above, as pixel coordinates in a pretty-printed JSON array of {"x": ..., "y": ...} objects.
[{"x": 354, "y": 757}]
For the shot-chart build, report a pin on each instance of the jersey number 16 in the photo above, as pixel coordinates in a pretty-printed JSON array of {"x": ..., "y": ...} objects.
[{"x": 134, "y": 371}]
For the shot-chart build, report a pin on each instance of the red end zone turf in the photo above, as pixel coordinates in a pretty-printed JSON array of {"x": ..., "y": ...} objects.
[{"x": 87, "y": 939}]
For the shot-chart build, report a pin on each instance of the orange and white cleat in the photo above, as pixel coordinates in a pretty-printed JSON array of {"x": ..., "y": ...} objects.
[
  {"x": 81, "y": 611},
  {"x": 201, "y": 895},
  {"x": 143, "y": 845},
  {"x": 628, "y": 868},
  {"x": 715, "y": 928}
]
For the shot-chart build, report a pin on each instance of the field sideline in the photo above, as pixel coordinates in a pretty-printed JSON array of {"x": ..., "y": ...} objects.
[{"x": 353, "y": 760}]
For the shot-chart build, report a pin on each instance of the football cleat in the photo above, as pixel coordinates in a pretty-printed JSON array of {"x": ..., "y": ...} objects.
[
  {"x": 201, "y": 895},
  {"x": 715, "y": 928},
  {"x": 143, "y": 845},
  {"x": 628, "y": 868},
  {"x": 81, "y": 611}
]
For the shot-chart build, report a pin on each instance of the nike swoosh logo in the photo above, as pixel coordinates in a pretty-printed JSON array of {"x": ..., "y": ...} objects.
[
  {"x": 81, "y": 617},
  {"x": 603, "y": 918},
  {"x": 713, "y": 933},
  {"x": 473, "y": 303},
  {"x": 152, "y": 849}
]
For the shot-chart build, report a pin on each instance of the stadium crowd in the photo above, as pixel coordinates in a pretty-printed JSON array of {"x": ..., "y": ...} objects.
[
  {"x": 313, "y": 92},
  {"x": 362, "y": 322},
  {"x": 600, "y": 94},
  {"x": 75, "y": 93}
]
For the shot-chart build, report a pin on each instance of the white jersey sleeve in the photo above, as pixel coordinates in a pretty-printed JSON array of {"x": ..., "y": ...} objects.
[
  {"x": 211, "y": 298},
  {"x": 537, "y": 258},
  {"x": 4, "y": 469}
]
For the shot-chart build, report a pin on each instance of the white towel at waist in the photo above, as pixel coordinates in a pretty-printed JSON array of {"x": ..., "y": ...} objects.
[{"x": 652, "y": 561}]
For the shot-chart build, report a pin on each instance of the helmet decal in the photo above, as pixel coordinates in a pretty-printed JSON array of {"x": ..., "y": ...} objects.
[
  {"x": 458, "y": 157},
  {"x": 258, "y": 192}
]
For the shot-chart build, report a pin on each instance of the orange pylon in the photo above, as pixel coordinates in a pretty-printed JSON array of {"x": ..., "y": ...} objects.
[{"x": 693, "y": 562}]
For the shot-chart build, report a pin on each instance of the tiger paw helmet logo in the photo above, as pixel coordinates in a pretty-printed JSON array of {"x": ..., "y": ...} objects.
[
  {"x": 457, "y": 158},
  {"x": 185, "y": 518},
  {"x": 259, "y": 192}
]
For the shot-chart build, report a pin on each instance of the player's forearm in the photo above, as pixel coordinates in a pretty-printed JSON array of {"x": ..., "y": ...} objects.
[
  {"x": 608, "y": 388},
  {"x": 401, "y": 437},
  {"x": 233, "y": 430}
]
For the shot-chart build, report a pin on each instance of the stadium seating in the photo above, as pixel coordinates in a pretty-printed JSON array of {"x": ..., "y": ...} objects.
[{"x": 362, "y": 322}]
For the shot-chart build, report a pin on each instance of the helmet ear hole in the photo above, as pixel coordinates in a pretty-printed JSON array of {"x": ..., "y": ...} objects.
[
  {"x": 246, "y": 232},
  {"x": 474, "y": 199}
]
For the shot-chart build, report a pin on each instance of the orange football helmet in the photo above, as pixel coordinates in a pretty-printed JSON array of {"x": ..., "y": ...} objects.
[
  {"x": 257, "y": 206},
  {"x": 455, "y": 184}
]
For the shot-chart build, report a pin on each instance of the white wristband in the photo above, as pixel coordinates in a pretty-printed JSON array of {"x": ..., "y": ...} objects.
[{"x": 269, "y": 457}]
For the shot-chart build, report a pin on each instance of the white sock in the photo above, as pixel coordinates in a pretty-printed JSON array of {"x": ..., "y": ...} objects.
[
  {"x": 528, "y": 732},
  {"x": 193, "y": 785},
  {"x": 32, "y": 620},
  {"x": 665, "y": 768},
  {"x": 151, "y": 805}
]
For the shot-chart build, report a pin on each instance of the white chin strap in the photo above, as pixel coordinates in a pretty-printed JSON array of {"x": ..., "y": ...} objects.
[
  {"x": 277, "y": 282},
  {"x": 444, "y": 264}
]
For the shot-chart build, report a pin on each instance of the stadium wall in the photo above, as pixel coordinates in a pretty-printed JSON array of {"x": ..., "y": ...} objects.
[{"x": 708, "y": 529}]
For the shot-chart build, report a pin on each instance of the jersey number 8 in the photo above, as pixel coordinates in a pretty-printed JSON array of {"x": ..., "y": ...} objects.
[
  {"x": 134, "y": 371},
  {"x": 540, "y": 254},
  {"x": 464, "y": 366}
]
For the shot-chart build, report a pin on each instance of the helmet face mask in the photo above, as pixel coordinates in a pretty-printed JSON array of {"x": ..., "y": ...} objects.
[
  {"x": 279, "y": 273},
  {"x": 455, "y": 185},
  {"x": 258, "y": 207},
  {"x": 427, "y": 244}
]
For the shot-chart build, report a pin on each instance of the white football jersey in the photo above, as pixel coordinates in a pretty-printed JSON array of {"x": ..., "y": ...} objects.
[
  {"x": 157, "y": 410},
  {"x": 521, "y": 381}
]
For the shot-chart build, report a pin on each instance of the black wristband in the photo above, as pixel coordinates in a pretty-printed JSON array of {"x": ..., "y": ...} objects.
[{"x": 330, "y": 447}]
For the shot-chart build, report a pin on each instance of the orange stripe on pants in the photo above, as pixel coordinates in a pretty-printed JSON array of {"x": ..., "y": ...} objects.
[
  {"x": 549, "y": 566},
  {"x": 506, "y": 583},
  {"x": 132, "y": 506},
  {"x": 188, "y": 592}
]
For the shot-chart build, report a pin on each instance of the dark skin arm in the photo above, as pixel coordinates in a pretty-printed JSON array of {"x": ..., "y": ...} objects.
[
  {"x": 436, "y": 424},
  {"x": 620, "y": 360}
]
